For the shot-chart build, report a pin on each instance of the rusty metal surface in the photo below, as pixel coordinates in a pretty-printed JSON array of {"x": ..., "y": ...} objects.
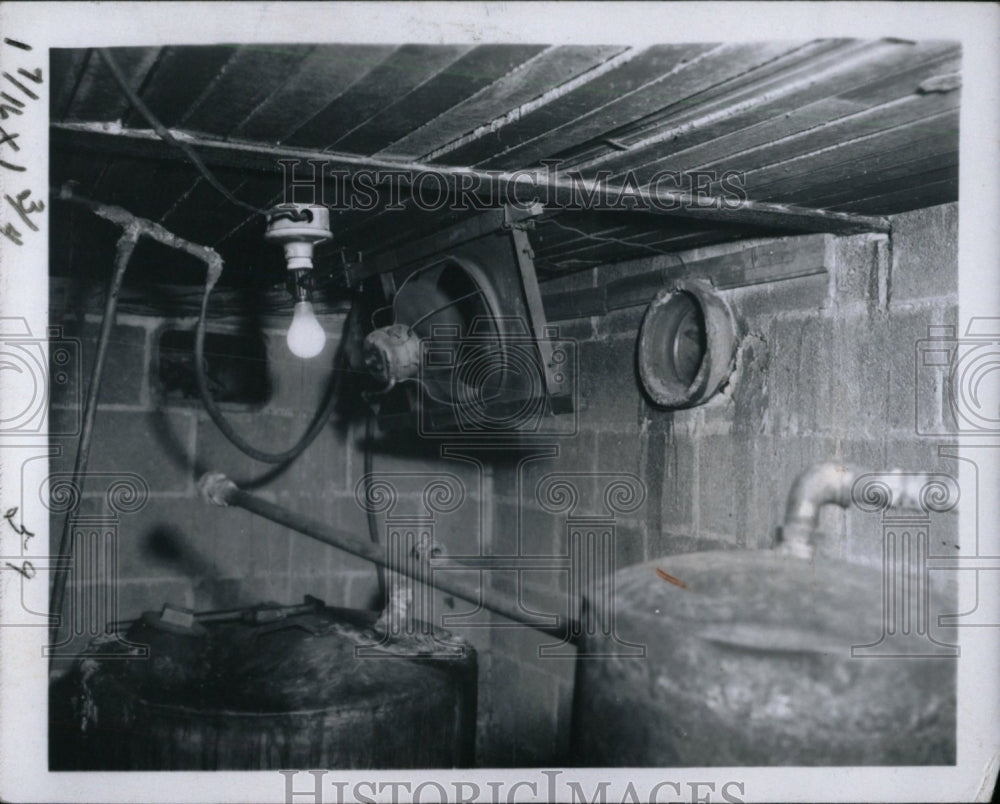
[
  {"x": 290, "y": 694},
  {"x": 749, "y": 663}
]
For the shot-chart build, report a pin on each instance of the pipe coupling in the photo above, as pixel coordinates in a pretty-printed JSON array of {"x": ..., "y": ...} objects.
[{"x": 215, "y": 487}]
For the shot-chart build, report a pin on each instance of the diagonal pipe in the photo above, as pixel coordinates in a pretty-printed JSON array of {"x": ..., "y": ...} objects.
[{"x": 216, "y": 488}]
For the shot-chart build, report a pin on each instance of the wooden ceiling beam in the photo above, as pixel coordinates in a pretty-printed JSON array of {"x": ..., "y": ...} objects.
[{"x": 557, "y": 190}]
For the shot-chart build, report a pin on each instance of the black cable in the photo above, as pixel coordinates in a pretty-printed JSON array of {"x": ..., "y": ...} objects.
[
  {"x": 602, "y": 239},
  {"x": 164, "y": 134},
  {"x": 372, "y": 521},
  {"x": 314, "y": 429}
]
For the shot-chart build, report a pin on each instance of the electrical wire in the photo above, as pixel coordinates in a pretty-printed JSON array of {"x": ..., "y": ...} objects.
[
  {"x": 370, "y": 514},
  {"x": 601, "y": 239},
  {"x": 161, "y": 130},
  {"x": 314, "y": 429}
]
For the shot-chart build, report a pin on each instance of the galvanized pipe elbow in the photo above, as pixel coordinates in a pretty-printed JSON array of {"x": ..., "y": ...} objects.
[
  {"x": 835, "y": 484},
  {"x": 819, "y": 485}
]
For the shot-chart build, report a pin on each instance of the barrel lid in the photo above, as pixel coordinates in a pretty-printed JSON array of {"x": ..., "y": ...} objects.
[
  {"x": 750, "y": 599},
  {"x": 303, "y": 661}
]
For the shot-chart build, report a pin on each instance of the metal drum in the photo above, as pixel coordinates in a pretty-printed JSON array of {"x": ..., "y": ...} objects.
[
  {"x": 294, "y": 694},
  {"x": 748, "y": 661}
]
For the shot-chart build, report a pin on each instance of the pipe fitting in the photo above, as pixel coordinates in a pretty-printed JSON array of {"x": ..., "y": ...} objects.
[
  {"x": 843, "y": 484},
  {"x": 215, "y": 488}
]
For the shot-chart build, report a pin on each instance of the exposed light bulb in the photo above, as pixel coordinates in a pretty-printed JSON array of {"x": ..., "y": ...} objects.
[{"x": 305, "y": 336}]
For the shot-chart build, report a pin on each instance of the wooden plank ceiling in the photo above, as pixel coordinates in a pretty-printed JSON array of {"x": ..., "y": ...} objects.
[{"x": 839, "y": 124}]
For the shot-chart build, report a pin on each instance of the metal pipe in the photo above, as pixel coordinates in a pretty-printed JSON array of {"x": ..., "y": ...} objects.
[
  {"x": 126, "y": 245},
  {"x": 546, "y": 186},
  {"x": 123, "y": 218},
  {"x": 133, "y": 228},
  {"x": 220, "y": 490},
  {"x": 833, "y": 484}
]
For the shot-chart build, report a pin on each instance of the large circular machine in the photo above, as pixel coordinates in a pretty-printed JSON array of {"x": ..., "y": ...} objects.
[
  {"x": 313, "y": 690},
  {"x": 762, "y": 658}
]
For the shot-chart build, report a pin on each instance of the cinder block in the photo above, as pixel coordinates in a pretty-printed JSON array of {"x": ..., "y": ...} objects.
[
  {"x": 270, "y": 553},
  {"x": 800, "y": 382},
  {"x": 152, "y": 444},
  {"x": 158, "y": 542},
  {"x": 619, "y": 452},
  {"x": 625, "y": 322},
  {"x": 856, "y": 266},
  {"x": 913, "y": 393},
  {"x": 270, "y": 433},
  {"x": 526, "y": 527},
  {"x": 609, "y": 385},
  {"x": 324, "y": 464},
  {"x": 343, "y": 511},
  {"x": 671, "y": 544},
  {"x": 577, "y": 280},
  {"x": 298, "y": 385},
  {"x": 678, "y": 483},
  {"x": 925, "y": 253},
  {"x": 863, "y": 380},
  {"x": 412, "y": 460},
  {"x": 753, "y": 303},
  {"x": 746, "y": 400},
  {"x": 126, "y": 367},
  {"x": 308, "y": 557},
  {"x": 725, "y": 476}
]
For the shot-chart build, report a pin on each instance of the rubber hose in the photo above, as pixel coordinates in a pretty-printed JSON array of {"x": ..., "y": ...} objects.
[{"x": 314, "y": 429}]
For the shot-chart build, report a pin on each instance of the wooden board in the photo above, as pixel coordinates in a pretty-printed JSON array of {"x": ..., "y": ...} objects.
[
  {"x": 629, "y": 71},
  {"x": 249, "y": 77},
  {"x": 408, "y": 67},
  {"x": 548, "y": 70},
  {"x": 455, "y": 83},
  {"x": 98, "y": 96},
  {"x": 321, "y": 77},
  {"x": 694, "y": 71},
  {"x": 66, "y": 66},
  {"x": 179, "y": 77}
]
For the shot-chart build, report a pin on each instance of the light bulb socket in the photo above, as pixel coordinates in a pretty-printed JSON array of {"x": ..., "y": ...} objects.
[
  {"x": 299, "y": 255},
  {"x": 300, "y": 286}
]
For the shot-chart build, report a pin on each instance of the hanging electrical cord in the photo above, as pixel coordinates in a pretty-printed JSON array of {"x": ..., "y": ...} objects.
[
  {"x": 314, "y": 429},
  {"x": 372, "y": 521},
  {"x": 164, "y": 133},
  {"x": 214, "y": 412},
  {"x": 601, "y": 239}
]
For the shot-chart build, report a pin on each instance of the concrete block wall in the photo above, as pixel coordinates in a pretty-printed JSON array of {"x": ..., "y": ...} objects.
[
  {"x": 177, "y": 549},
  {"x": 826, "y": 370}
]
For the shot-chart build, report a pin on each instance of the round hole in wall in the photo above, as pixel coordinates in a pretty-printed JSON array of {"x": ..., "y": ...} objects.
[{"x": 686, "y": 346}]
